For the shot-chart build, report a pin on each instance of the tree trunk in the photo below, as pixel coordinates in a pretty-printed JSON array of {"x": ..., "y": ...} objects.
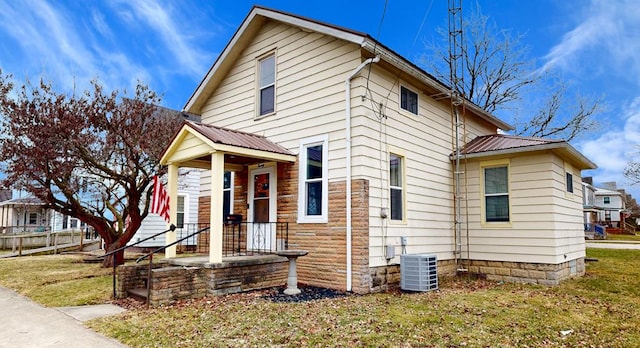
[{"x": 119, "y": 256}]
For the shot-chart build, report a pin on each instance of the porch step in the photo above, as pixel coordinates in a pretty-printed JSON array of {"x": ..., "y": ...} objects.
[{"x": 139, "y": 294}]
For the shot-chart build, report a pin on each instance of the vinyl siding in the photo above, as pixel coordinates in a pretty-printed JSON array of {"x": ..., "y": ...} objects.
[
  {"x": 546, "y": 222},
  {"x": 188, "y": 186},
  {"x": 232, "y": 105}
]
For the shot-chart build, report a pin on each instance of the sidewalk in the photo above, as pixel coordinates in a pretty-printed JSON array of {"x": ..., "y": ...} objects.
[{"x": 28, "y": 324}]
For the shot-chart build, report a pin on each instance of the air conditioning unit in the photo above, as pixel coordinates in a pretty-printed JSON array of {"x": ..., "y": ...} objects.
[{"x": 418, "y": 272}]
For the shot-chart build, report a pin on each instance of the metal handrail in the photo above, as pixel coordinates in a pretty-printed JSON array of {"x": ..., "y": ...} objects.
[
  {"x": 172, "y": 227},
  {"x": 150, "y": 256},
  {"x": 171, "y": 244}
]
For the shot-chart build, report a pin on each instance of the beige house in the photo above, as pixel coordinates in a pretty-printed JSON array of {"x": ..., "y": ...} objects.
[{"x": 349, "y": 144}]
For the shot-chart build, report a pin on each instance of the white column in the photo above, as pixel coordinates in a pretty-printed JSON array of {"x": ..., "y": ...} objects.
[
  {"x": 172, "y": 189},
  {"x": 215, "y": 235}
]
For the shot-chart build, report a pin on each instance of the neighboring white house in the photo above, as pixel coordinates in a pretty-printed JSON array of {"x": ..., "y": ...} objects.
[
  {"x": 612, "y": 205},
  {"x": 350, "y": 144},
  {"x": 188, "y": 193}
]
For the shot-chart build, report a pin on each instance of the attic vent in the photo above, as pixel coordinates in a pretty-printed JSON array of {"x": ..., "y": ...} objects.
[{"x": 418, "y": 272}]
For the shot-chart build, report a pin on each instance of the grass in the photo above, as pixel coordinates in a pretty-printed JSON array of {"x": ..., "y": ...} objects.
[
  {"x": 601, "y": 309},
  {"x": 627, "y": 237},
  {"x": 57, "y": 280}
]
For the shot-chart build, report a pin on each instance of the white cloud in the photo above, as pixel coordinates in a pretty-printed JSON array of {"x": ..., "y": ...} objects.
[
  {"x": 612, "y": 150},
  {"x": 606, "y": 40},
  {"x": 180, "y": 42}
]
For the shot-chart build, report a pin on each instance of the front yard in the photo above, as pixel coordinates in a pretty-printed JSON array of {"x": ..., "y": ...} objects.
[{"x": 601, "y": 309}]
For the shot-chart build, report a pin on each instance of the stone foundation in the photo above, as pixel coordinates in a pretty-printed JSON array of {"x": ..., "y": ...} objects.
[
  {"x": 179, "y": 279},
  {"x": 531, "y": 273},
  {"x": 388, "y": 277}
]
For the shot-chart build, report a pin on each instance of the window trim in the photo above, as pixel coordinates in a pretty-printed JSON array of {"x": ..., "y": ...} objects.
[
  {"x": 483, "y": 205},
  {"x": 606, "y": 199},
  {"x": 259, "y": 88},
  {"x": 401, "y": 86},
  {"x": 402, "y": 188},
  {"x": 185, "y": 203},
  {"x": 302, "y": 181},
  {"x": 231, "y": 190}
]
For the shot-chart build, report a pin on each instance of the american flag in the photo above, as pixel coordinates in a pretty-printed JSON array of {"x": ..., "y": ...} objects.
[{"x": 160, "y": 199}]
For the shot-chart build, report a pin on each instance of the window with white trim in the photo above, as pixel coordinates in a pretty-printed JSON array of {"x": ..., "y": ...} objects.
[
  {"x": 33, "y": 218},
  {"x": 313, "y": 189},
  {"x": 606, "y": 200},
  {"x": 496, "y": 194},
  {"x": 266, "y": 85},
  {"x": 180, "y": 212},
  {"x": 227, "y": 194},
  {"x": 396, "y": 187},
  {"x": 408, "y": 100}
]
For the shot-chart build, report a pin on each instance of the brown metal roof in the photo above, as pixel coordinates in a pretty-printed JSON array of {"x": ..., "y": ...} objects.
[
  {"x": 497, "y": 142},
  {"x": 225, "y": 136}
]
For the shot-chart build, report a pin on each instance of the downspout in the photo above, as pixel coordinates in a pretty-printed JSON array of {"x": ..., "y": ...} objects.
[{"x": 348, "y": 158}]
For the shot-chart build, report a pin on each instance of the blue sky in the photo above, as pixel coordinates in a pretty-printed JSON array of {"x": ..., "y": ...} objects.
[{"x": 170, "y": 45}]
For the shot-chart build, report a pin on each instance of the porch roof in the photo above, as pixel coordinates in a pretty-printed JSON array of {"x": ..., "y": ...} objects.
[
  {"x": 195, "y": 142},
  {"x": 501, "y": 144}
]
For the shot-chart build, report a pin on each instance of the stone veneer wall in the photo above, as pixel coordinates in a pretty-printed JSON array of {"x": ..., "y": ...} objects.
[
  {"x": 170, "y": 282},
  {"x": 388, "y": 277},
  {"x": 325, "y": 265},
  {"x": 534, "y": 273}
]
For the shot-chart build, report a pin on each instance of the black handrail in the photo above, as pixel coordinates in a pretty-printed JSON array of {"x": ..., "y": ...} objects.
[
  {"x": 172, "y": 227},
  {"x": 172, "y": 244},
  {"x": 150, "y": 256}
]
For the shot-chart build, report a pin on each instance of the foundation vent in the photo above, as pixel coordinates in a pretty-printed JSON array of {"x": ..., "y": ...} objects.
[{"x": 418, "y": 272}]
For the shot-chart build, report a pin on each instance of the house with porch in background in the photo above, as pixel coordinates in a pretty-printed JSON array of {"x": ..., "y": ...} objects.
[{"x": 350, "y": 146}]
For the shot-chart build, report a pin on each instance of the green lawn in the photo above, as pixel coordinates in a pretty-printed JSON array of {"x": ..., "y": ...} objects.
[
  {"x": 635, "y": 238},
  {"x": 601, "y": 309}
]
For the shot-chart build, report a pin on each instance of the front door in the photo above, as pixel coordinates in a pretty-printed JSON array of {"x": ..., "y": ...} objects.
[{"x": 262, "y": 209}]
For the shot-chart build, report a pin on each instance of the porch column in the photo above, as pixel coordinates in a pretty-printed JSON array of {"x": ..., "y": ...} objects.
[
  {"x": 215, "y": 228},
  {"x": 172, "y": 189}
]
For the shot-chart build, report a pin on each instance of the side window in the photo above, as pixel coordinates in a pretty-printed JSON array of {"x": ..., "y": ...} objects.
[
  {"x": 396, "y": 186},
  {"x": 180, "y": 212},
  {"x": 227, "y": 193},
  {"x": 266, "y": 85},
  {"x": 496, "y": 194},
  {"x": 313, "y": 187},
  {"x": 408, "y": 100},
  {"x": 570, "y": 182}
]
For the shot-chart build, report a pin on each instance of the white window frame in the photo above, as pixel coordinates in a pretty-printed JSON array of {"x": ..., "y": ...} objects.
[
  {"x": 230, "y": 189},
  {"x": 401, "y": 188},
  {"x": 185, "y": 209},
  {"x": 302, "y": 181},
  {"x": 400, "y": 99},
  {"x": 260, "y": 87},
  {"x": 483, "y": 211}
]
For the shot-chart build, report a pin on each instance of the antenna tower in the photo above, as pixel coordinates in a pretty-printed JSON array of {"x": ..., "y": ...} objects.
[{"x": 458, "y": 127}]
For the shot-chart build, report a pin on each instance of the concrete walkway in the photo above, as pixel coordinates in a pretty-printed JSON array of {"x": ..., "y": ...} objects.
[{"x": 27, "y": 324}]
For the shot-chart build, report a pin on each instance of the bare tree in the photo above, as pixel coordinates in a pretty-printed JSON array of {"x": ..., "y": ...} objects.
[
  {"x": 498, "y": 74},
  {"x": 90, "y": 156},
  {"x": 632, "y": 170}
]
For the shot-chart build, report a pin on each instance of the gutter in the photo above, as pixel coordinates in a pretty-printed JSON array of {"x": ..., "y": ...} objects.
[{"x": 348, "y": 159}]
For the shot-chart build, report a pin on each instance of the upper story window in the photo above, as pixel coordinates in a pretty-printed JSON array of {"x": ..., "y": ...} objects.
[
  {"x": 408, "y": 100},
  {"x": 313, "y": 185},
  {"x": 266, "y": 85},
  {"x": 496, "y": 194},
  {"x": 33, "y": 218},
  {"x": 607, "y": 200},
  {"x": 396, "y": 184},
  {"x": 570, "y": 182}
]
